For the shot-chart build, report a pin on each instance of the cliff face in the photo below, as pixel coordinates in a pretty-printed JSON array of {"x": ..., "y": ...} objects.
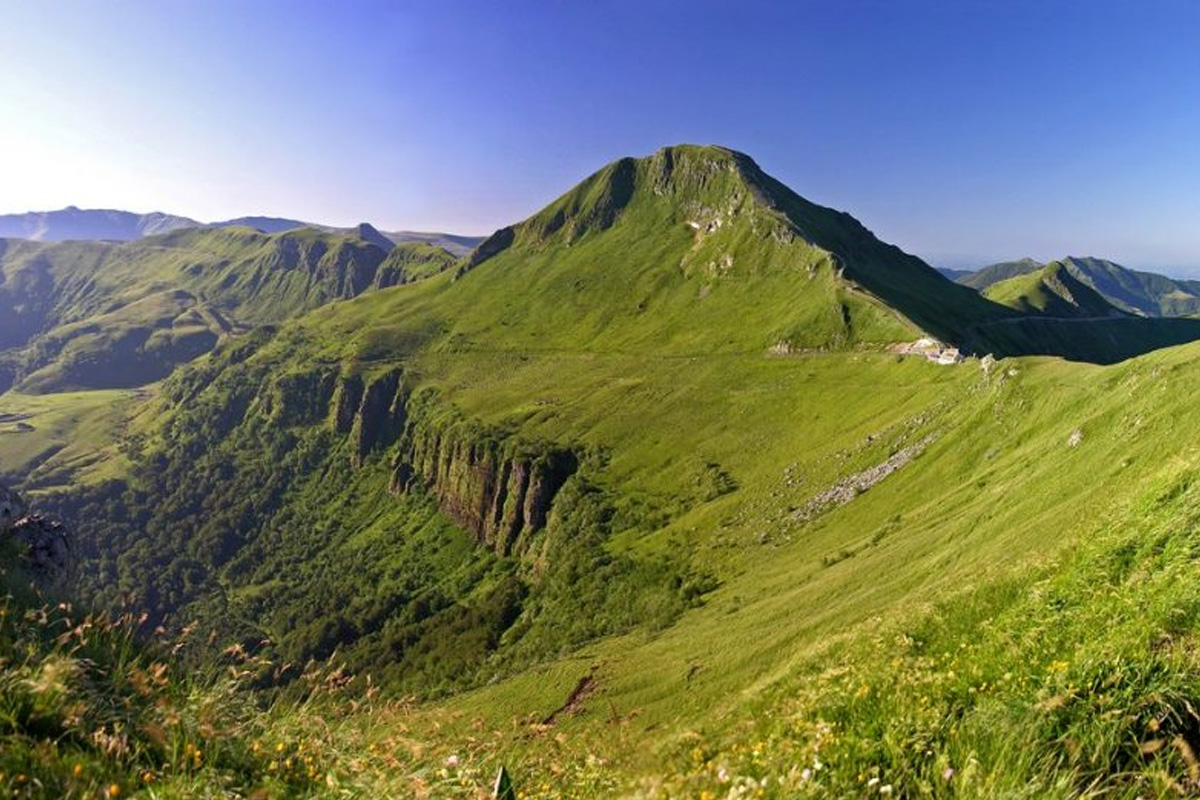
[
  {"x": 501, "y": 492},
  {"x": 499, "y": 488},
  {"x": 381, "y": 415},
  {"x": 301, "y": 398}
]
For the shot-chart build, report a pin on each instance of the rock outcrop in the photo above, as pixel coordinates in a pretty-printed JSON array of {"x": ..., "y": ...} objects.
[
  {"x": 380, "y": 416},
  {"x": 47, "y": 550},
  {"x": 497, "y": 487},
  {"x": 852, "y": 486},
  {"x": 43, "y": 546},
  {"x": 300, "y": 398},
  {"x": 495, "y": 244},
  {"x": 501, "y": 492}
]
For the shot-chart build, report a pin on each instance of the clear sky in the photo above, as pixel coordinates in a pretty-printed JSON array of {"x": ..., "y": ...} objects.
[{"x": 962, "y": 131}]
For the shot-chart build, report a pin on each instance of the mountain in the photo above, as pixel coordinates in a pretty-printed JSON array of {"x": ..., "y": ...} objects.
[
  {"x": 1144, "y": 293},
  {"x": 982, "y": 278},
  {"x": 954, "y": 274},
  {"x": 1053, "y": 291},
  {"x": 488, "y": 425},
  {"x": 367, "y": 233},
  {"x": 730, "y": 229},
  {"x": 107, "y": 315},
  {"x": 74, "y": 223},
  {"x": 691, "y": 266},
  {"x": 1138, "y": 292},
  {"x": 458, "y": 245},
  {"x": 643, "y": 498}
]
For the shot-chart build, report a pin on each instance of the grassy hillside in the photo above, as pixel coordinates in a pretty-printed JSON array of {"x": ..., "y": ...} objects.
[
  {"x": 1014, "y": 619},
  {"x": 101, "y": 315},
  {"x": 1030, "y": 458},
  {"x": 1052, "y": 291},
  {"x": 63, "y": 440}
]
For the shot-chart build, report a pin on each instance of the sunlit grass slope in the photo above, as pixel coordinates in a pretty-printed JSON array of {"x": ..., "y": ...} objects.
[
  {"x": 1052, "y": 291},
  {"x": 1010, "y": 612},
  {"x": 63, "y": 440}
]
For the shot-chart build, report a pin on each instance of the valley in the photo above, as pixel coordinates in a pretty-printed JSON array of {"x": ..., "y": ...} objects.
[{"x": 639, "y": 498}]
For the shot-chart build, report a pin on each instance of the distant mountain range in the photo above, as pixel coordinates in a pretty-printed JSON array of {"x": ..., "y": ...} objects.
[
  {"x": 1145, "y": 294},
  {"x": 71, "y": 224}
]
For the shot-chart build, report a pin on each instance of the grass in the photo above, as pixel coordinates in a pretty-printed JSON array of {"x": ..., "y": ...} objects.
[
  {"x": 66, "y": 439},
  {"x": 95, "y": 315}
]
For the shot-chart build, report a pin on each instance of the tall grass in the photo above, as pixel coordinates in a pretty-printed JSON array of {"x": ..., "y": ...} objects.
[
  {"x": 92, "y": 706},
  {"x": 1081, "y": 679}
]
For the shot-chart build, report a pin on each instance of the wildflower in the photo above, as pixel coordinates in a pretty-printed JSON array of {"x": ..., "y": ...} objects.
[
  {"x": 948, "y": 774},
  {"x": 872, "y": 782},
  {"x": 77, "y": 770},
  {"x": 722, "y": 775},
  {"x": 114, "y": 790},
  {"x": 806, "y": 774},
  {"x": 885, "y": 789},
  {"x": 452, "y": 761}
]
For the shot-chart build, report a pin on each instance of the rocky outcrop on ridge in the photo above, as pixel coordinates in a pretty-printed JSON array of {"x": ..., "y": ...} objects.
[{"x": 43, "y": 546}]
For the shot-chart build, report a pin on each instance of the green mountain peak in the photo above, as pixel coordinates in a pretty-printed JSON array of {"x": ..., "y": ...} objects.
[{"x": 708, "y": 227}]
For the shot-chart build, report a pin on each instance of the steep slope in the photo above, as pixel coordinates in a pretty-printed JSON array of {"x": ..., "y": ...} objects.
[
  {"x": 726, "y": 235},
  {"x": 412, "y": 261},
  {"x": 1053, "y": 291},
  {"x": 1137, "y": 292}
]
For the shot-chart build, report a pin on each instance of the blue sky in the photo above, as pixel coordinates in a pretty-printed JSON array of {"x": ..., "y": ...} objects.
[{"x": 961, "y": 131}]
